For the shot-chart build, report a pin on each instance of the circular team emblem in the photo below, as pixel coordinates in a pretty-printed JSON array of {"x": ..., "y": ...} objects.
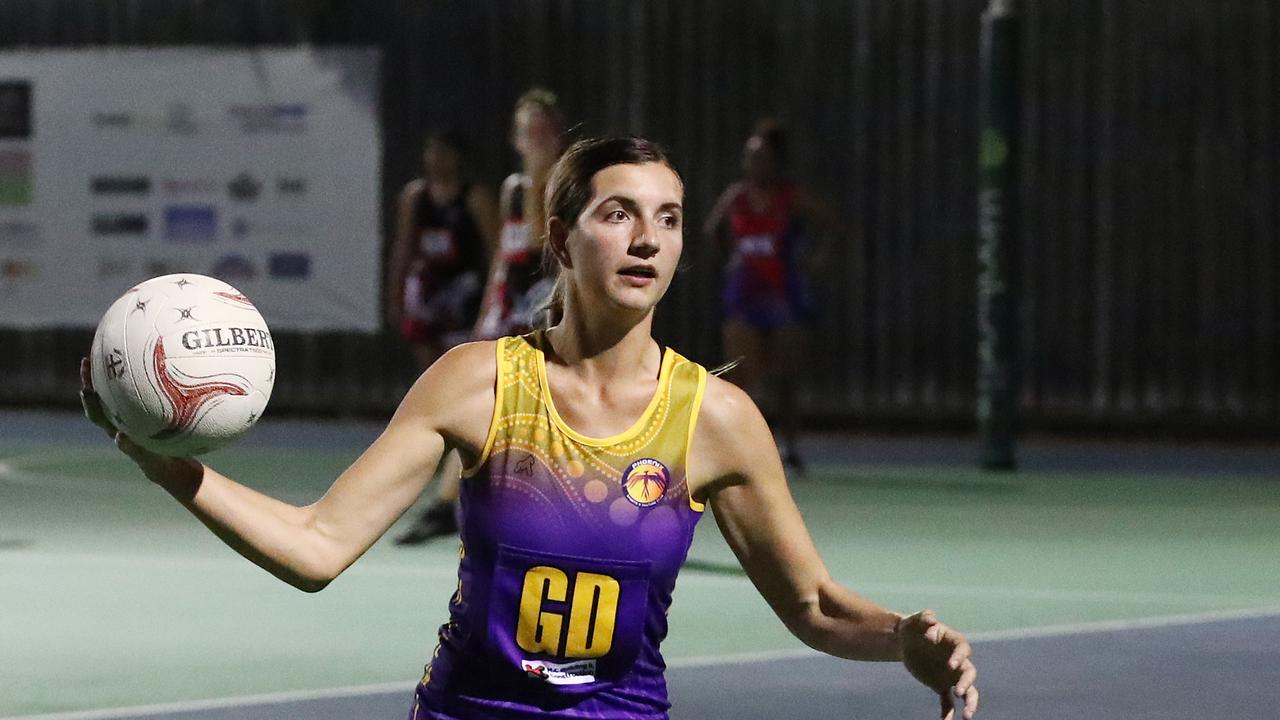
[{"x": 645, "y": 481}]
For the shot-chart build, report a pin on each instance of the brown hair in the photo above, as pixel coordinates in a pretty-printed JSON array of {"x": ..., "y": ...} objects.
[
  {"x": 544, "y": 101},
  {"x": 569, "y": 190}
]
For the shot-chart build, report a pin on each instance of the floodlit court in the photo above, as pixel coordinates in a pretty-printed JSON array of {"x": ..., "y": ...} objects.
[{"x": 1101, "y": 581}]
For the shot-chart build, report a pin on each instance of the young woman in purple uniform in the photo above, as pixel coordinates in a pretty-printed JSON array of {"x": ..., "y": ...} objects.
[{"x": 590, "y": 453}]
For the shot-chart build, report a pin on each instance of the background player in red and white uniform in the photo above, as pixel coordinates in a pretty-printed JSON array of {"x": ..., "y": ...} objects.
[
  {"x": 446, "y": 229},
  {"x": 516, "y": 288}
]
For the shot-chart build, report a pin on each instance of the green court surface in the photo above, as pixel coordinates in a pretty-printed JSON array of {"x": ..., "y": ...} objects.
[{"x": 111, "y": 595}]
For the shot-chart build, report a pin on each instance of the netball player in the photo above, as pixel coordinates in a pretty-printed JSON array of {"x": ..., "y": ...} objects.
[
  {"x": 765, "y": 225},
  {"x": 516, "y": 287},
  {"x": 447, "y": 228},
  {"x": 591, "y": 452}
]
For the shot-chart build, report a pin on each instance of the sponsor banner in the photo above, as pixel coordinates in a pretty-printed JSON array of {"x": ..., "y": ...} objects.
[{"x": 260, "y": 167}]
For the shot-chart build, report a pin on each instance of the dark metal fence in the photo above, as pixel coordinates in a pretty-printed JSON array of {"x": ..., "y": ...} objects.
[{"x": 1149, "y": 261}]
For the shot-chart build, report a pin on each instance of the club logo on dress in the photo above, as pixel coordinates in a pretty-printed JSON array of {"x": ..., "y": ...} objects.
[{"x": 645, "y": 481}]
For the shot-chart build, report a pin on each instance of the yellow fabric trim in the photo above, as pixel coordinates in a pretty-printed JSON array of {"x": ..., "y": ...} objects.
[
  {"x": 693, "y": 423},
  {"x": 664, "y": 380},
  {"x": 495, "y": 418}
]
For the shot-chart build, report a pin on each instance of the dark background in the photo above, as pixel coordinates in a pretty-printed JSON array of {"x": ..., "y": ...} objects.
[{"x": 1148, "y": 261}]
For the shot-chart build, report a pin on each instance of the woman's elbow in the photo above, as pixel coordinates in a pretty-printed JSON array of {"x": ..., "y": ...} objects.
[
  {"x": 311, "y": 585},
  {"x": 312, "y": 580},
  {"x": 313, "y": 576}
]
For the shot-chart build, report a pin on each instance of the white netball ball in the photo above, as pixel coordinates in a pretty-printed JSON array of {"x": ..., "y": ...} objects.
[{"x": 184, "y": 364}]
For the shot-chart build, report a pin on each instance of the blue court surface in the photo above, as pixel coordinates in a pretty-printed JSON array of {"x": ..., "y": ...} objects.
[{"x": 1100, "y": 581}]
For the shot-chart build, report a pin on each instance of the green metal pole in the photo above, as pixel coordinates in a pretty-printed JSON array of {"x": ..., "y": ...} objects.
[{"x": 997, "y": 231}]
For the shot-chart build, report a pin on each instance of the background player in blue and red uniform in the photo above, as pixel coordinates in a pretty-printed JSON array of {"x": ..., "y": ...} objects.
[
  {"x": 766, "y": 226},
  {"x": 591, "y": 453}
]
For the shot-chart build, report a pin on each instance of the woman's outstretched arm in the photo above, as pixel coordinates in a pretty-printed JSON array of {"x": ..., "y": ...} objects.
[{"x": 308, "y": 546}]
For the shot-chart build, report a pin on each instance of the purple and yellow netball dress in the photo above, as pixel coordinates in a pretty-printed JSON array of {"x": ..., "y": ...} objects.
[{"x": 570, "y": 549}]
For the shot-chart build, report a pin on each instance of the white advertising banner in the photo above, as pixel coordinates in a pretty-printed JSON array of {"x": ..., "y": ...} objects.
[{"x": 258, "y": 167}]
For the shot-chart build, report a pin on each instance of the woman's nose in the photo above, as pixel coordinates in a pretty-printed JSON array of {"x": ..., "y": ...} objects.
[{"x": 645, "y": 242}]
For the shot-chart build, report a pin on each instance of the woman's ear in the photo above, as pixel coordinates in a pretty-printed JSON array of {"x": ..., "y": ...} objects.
[{"x": 558, "y": 241}]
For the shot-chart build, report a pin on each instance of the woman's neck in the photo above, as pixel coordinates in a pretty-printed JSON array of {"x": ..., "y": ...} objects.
[
  {"x": 444, "y": 190},
  {"x": 603, "y": 349}
]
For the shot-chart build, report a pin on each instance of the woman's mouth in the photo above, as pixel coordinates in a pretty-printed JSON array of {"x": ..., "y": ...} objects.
[{"x": 639, "y": 275}]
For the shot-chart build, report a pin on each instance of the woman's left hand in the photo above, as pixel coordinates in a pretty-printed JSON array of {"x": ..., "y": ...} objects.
[{"x": 939, "y": 657}]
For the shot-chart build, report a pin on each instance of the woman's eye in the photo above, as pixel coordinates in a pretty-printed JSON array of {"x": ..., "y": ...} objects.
[
  {"x": 616, "y": 216},
  {"x": 670, "y": 221}
]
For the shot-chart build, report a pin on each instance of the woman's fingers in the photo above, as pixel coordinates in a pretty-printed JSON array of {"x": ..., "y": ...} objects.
[
  {"x": 91, "y": 402},
  {"x": 970, "y": 702},
  {"x": 968, "y": 673},
  {"x": 961, "y": 652}
]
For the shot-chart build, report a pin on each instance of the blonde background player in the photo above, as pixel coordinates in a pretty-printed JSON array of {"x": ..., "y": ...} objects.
[{"x": 590, "y": 452}]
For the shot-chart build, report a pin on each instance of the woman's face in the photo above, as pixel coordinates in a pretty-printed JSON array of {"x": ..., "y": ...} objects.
[
  {"x": 441, "y": 161},
  {"x": 624, "y": 248},
  {"x": 536, "y": 136}
]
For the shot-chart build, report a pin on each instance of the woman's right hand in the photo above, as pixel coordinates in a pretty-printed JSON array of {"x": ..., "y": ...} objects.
[{"x": 158, "y": 468}]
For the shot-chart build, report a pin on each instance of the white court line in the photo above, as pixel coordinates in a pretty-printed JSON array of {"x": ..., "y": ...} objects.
[
  {"x": 1044, "y": 631},
  {"x": 450, "y": 572}
]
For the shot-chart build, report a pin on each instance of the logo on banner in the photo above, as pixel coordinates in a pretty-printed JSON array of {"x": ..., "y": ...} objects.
[
  {"x": 19, "y": 270},
  {"x": 15, "y": 178},
  {"x": 243, "y": 228},
  {"x": 120, "y": 224},
  {"x": 111, "y": 120},
  {"x": 187, "y": 186},
  {"x": 244, "y": 187},
  {"x": 291, "y": 187},
  {"x": 15, "y": 109},
  {"x": 120, "y": 185},
  {"x": 269, "y": 118},
  {"x": 234, "y": 267},
  {"x": 19, "y": 233},
  {"x": 289, "y": 266},
  {"x": 178, "y": 118},
  {"x": 190, "y": 223}
]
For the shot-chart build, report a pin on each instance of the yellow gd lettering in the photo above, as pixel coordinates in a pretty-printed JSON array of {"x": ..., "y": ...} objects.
[
  {"x": 592, "y": 617},
  {"x": 591, "y": 621},
  {"x": 538, "y": 631}
]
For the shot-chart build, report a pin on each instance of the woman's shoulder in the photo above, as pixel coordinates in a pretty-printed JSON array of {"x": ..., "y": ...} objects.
[
  {"x": 513, "y": 182},
  {"x": 412, "y": 190},
  {"x": 727, "y": 410},
  {"x": 731, "y": 438},
  {"x": 476, "y": 358},
  {"x": 458, "y": 387},
  {"x": 733, "y": 191}
]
